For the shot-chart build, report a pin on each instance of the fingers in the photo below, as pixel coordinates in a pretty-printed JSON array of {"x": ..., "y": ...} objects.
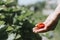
[
  {"x": 41, "y": 30},
  {"x": 35, "y": 30}
]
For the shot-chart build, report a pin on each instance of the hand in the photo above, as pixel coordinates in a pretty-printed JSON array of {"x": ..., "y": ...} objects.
[
  {"x": 49, "y": 25},
  {"x": 41, "y": 30},
  {"x": 50, "y": 22}
]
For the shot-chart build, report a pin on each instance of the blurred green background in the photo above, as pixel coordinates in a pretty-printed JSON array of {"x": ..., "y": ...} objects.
[{"x": 17, "y": 21}]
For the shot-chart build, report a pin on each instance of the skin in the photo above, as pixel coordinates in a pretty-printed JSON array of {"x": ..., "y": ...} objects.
[{"x": 50, "y": 22}]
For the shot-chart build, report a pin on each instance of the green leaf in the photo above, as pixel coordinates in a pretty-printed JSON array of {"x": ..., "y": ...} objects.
[
  {"x": 9, "y": 28},
  {"x": 18, "y": 36},
  {"x": 2, "y": 16},
  {"x": 2, "y": 22}
]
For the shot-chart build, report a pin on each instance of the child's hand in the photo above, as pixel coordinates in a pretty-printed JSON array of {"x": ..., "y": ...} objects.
[
  {"x": 40, "y": 27},
  {"x": 50, "y": 23},
  {"x": 46, "y": 26}
]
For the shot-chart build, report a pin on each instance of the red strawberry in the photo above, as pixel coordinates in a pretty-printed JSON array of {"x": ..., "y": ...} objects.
[{"x": 40, "y": 25}]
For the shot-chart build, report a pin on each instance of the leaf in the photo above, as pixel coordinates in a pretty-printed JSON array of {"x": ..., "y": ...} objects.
[
  {"x": 2, "y": 22},
  {"x": 9, "y": 28},
  {"x": 11, "y": 36},
  {"x": 18, "y": 36}
]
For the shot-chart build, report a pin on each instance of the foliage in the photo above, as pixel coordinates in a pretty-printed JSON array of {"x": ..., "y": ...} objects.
[{"x": 16, "y": 22}]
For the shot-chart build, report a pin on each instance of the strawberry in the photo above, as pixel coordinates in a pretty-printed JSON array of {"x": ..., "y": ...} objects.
[{"x": 40, "y": 25}]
